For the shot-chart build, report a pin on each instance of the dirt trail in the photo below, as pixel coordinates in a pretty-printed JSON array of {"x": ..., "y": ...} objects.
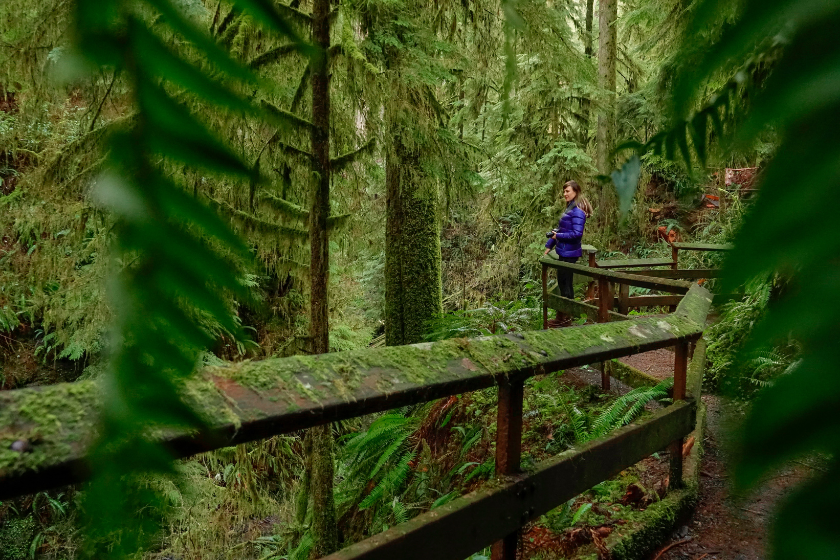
[{"x": 724, "y": 526}]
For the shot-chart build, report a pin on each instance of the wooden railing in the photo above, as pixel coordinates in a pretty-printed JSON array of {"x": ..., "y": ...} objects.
[{"x": 45, "y": 431}]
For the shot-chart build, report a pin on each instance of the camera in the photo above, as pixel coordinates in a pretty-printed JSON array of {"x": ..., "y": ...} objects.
[{"x": 552, "y": 232}]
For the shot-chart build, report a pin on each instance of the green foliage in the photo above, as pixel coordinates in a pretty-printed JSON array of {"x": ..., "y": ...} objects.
[
  {"x": 565, "y": 516},
  {"x": 178, "y": 258},
  {"x": 16, "y": 538},
  {"x": 735, "y": 368},
  {"x": 499, "y": 318},
  {"x": 783, "y": 232},
  {"x": 623, "y": 411},
  {"x": 375, "y": 468}
]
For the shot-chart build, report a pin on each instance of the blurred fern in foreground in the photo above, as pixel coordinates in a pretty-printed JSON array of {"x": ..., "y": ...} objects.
[
  {"x": 176, "y": 258},
  {"x": 789, "y": 229}
]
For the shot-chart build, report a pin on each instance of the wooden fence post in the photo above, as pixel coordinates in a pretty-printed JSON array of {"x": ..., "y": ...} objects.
[
  {"x": 623, "y": 298},
  {"x": 605, "y": 304},
  {"x": 508, "y": 452},
  {"x": 675, "y": 449},
  {"x": 675, "y": 255},
  {"x": 590, "y": 289},
  {"x": 545, "y": 295},
  {"x": 605, "y": 300}
]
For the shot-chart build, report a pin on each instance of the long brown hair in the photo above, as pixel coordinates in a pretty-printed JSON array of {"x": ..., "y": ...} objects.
[{"x": 581, "y": 201}]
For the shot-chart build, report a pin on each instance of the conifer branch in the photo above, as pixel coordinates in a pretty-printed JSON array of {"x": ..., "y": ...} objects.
[
  {"x": 273, "y": 55},
  {"x": 294, "y": 14},
  {"x": 285, "y": 116},
  {"x": 337, "y": 220},
  {"x": 255, "y": 224},
  {"x": 283, "y": 206},
  {"x": 291, "y": 210},
  {"x": 304, "y": 79},
  {"x": 342, "y": 161},
  {"x": 292, "y": 150}
]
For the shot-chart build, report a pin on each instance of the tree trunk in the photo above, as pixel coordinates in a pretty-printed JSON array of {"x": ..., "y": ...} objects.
[
  {"x": 607, "y": 14},
  {"x": 585, "y": 104},
  {"x": 324, "y": 527},
  {"x": 412, "y": 248}
]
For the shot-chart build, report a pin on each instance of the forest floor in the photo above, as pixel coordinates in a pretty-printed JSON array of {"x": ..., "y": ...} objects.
[{"x": 724, "y": 526}]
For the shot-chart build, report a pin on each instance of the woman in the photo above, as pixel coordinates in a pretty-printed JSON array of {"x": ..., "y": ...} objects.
[{"x": 566, "y": 240}]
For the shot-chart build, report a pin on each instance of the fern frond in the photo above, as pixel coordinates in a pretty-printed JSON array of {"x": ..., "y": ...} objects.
[{"x": 627, "y": 407}]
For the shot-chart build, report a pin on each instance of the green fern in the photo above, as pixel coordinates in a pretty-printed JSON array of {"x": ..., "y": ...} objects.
[
  {"x": 628, "y": 407},
  {"x": 578, "y": 421},
  {"x": 377, "y": 459},
  {"x": 623, "y": 411}
]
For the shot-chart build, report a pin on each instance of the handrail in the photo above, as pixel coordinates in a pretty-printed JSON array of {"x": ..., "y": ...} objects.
[
  {"x": 252, "y": 400},
  {"x": 637, "y": 279},
  {"x": 472, "y": 522},
  {"x": 45, "y": 431}
]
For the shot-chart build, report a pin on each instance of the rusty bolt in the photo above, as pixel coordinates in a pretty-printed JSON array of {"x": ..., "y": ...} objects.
[{"x": 20, "y": 446}]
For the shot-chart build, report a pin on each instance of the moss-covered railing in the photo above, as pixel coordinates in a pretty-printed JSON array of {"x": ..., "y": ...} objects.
[
  {"x": 612, "y": 306},
  {"x": 45, "y": 431}
]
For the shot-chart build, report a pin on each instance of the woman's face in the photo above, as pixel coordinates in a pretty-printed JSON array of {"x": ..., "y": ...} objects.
[{"x": 569, "y": 193}]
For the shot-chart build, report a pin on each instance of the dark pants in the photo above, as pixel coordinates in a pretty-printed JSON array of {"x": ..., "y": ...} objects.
[{"x": 564, "y": 278}]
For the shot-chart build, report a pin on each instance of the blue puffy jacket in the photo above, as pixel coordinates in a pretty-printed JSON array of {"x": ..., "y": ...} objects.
[{"x": 569, "y": 232}]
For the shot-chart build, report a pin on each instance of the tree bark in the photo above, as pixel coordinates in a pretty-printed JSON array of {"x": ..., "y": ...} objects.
[
  {"x": 586, "y": 103},
  {"x": 412, "y": 248},
  {"x": 607, "y": 14},
  {"x": 324, "y": 527}
]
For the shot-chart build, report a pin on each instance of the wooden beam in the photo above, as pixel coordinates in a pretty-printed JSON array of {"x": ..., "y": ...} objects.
[
  {"x": 675, "y": 448},
  {"x": 578, "y": 308},
  {"x": 661, "y": 284},
  {"x": 247, "y": 401},
  {"x": 632, "y": 263},
  {"x": 545, "y": 295},
  {"x": 702, "y": 246},
  {"x": 605, "y": 300},
  {"x": 690, "y": 273},
  {"x": 508, "y": 452},
  {"x": 694, "y": 380},
  {"x": 623, "y": 299},
  {"x": 653, "y": 301},
  {"x": 466, "y": 525}
]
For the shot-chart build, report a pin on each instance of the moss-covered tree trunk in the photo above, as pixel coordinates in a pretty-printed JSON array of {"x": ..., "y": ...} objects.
[
  {"x": 324, "y": 527},
  {"x": 412, "y": 247},
  {"x": 607, "y": 14}
]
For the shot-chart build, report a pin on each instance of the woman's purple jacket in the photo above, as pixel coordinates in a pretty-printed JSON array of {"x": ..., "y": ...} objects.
[{"x": 569, "y": 232}]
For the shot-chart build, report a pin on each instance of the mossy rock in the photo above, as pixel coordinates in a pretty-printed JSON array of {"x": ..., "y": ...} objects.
[{"x": 15, "y": 537}]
